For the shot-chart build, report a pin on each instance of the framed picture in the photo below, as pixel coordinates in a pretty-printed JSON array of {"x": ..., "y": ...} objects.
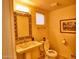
[{"x": 68, "y": 26}]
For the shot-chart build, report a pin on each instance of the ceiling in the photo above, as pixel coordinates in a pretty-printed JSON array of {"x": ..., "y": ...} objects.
[{"x": 48, "y": 4}]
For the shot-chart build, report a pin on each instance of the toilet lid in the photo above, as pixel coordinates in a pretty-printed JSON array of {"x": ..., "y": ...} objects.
[{"x": 46, "y": 45}]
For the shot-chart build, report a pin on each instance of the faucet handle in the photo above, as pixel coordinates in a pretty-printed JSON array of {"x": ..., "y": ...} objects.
[{"x": 44, "y": 39}]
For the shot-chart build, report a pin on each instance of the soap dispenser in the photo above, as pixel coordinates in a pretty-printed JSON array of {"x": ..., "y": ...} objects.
[{"x": 32, "y": 38}]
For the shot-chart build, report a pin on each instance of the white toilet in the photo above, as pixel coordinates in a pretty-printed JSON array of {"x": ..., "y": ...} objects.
[{"x": 50, "y": 54}]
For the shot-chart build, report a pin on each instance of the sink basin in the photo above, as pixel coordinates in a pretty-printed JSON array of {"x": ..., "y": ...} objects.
[{"x": 20, "y": 48}]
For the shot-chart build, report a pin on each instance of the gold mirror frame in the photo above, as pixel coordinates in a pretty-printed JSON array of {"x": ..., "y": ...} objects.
[{"x": 15, "y": 25}]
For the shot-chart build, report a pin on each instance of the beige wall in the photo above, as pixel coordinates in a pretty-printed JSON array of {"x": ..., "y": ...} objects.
[
  {"x": 39, "y": 32},
  {"x": 55, "y": 37}
]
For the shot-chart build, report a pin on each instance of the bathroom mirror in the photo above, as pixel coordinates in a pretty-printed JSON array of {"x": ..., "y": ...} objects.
[{"x": 22, "y": 24}]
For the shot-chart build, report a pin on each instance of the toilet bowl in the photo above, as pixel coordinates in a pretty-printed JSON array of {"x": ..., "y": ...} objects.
[{"x": 50, "y": 54}]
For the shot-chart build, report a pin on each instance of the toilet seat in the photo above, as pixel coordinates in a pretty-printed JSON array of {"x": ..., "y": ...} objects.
[{"x": 51, "y": 53}]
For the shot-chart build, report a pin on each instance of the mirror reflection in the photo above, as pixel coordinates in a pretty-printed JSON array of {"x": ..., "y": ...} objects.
[{"x": 22, "y": 25}]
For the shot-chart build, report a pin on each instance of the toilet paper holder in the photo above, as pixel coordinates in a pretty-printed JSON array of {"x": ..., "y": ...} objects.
[{"x": 64, "y": 41}]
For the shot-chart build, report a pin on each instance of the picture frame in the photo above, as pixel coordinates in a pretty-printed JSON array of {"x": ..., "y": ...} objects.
[{"x": 68, "y": 25}]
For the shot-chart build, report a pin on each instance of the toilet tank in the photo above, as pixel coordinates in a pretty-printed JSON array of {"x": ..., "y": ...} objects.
[{"x": 46, "y": 45}]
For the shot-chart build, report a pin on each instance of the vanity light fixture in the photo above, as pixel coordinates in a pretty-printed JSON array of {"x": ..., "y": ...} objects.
[{"x": 22, "y": 8}]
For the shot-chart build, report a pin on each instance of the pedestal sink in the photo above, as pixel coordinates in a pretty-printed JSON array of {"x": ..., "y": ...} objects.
[{"x": 22, "y": 48}]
